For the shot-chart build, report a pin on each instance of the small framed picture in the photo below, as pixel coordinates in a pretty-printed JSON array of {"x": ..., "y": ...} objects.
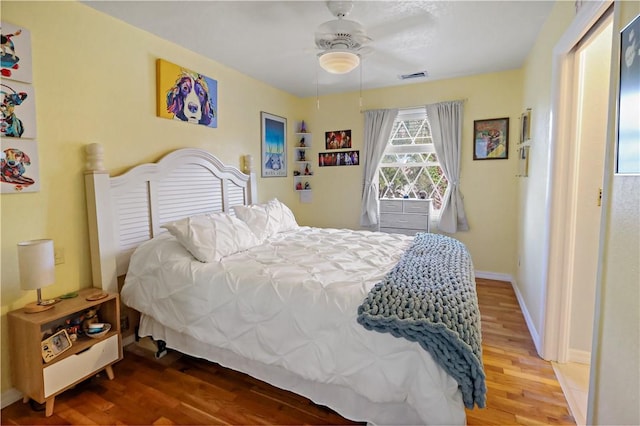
[
  {"x": 491, "y": 139},
  {"x": 338, "y": 139},
  {"x": 274, "y": 145},
  {"x": 525, "y": 126}
]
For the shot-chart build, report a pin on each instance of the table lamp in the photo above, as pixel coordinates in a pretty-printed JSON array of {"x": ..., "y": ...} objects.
[{"x": 36, "y": 263}]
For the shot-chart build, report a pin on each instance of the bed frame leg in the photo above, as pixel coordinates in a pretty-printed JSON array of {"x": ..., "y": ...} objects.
[
  {"x": 162, "y": 348},
  {"x": 137, "y": 333}
]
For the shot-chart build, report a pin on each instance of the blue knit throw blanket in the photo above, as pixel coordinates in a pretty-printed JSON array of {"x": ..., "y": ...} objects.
[{"x": 430, "y": 297}]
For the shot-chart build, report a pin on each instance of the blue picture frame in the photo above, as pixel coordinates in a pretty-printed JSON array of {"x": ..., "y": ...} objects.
[{"x": 274, "y": 145}]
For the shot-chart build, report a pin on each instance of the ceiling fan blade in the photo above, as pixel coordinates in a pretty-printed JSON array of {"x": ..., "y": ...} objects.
[{"x": 418, "y": 23}]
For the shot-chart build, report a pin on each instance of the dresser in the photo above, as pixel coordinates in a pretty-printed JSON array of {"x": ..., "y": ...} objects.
[{"x": 404, "y": 216}]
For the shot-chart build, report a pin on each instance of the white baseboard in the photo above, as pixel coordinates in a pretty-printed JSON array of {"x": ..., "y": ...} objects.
[
  {"x": 10, "y": 396},
  {"x": 579, "y": 356},
  {"x": 128, "y": 340},
  {"x": 493, "y": 276},
  {"x": 527, "y": 318}
]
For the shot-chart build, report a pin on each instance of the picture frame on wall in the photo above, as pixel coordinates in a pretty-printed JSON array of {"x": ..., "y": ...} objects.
[
  {"x": 273, "y": 145},
  {"x": 491, "y": 139},
  {"x": 186, "y": 95},
  {"x": 338, "y": 139},
  {"x": 628, "y": 137},
  {"x": 525, "y": 126}
]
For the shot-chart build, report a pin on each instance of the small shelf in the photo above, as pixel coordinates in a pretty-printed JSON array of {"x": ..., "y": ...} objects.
[{"x": 303, "y": 160}]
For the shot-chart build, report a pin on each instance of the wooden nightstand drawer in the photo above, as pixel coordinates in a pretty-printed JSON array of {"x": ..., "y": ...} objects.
[{"x": 58, "y": 376}]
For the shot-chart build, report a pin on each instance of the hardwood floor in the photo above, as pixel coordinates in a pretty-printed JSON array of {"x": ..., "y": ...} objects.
[{"x": 177, "y": 389}]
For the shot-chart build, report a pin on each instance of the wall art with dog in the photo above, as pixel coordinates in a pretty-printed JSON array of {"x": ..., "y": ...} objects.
[
  {"x": 19, "y": 166},
  {"x": 186, "y": 95},
  {"x": 17, "y": 110},
  {"x": 15, "y": 53}
]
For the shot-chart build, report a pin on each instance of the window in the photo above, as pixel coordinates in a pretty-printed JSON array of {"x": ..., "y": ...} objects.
[{"x": 409, "y": 166}]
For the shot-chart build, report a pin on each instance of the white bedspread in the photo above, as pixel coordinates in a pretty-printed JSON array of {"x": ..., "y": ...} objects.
[{"x": 292, "y": 302}]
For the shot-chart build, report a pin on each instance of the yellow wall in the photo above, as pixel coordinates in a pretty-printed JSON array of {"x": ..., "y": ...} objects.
[
  {"x": 94, "y": 80},
  {"x": 489, "y": 187}
]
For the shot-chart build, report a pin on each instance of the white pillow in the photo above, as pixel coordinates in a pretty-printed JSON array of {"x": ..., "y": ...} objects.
[
  {"x": 268, "y": 219},
  {"x": 211, "y": 237}
]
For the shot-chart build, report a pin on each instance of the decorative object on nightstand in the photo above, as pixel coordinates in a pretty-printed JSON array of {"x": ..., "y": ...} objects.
[
  {"x": 36, "y": 263},
  {"x": 43, "y": 373}
]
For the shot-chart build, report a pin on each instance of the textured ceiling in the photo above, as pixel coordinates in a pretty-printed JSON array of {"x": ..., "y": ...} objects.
[{"x": 273, "y": 41}]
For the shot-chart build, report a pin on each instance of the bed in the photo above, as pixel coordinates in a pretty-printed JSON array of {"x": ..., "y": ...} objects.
[{"x": 290, "y": 308}]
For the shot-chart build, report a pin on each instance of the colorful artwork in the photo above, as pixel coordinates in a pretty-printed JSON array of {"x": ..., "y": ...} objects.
[
  {"x": 491, "y": 139},
  {"x": 19, "y": 165},
  {"x": 345, "y": 158},
  {"x": 15, "y": 53},
  {"x": 274, "y": 145},
  {"x": 17, "y": 110},
  {"x": 338, "y": 139},
  {"x": 186, "y": 95}
]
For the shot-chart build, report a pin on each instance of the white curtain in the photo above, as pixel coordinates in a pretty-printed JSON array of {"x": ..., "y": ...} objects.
[
  {"x": 377, "y": 129},
  {"x": 445, "y": 119}
]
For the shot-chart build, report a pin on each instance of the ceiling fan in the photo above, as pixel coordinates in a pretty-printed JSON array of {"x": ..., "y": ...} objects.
[{"x": 341, "y": 40}]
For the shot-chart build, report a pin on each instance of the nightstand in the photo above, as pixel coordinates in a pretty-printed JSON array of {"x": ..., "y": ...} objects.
[
  {"x": 404, "y": 215},
  {"x": 87, "y": 356}
]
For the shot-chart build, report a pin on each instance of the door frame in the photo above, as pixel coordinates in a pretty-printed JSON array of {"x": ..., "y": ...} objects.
[{"x": 556, "y": 318}]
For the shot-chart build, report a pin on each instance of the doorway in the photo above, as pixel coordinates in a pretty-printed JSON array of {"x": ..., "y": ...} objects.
[{"x": 589, "y": 78}]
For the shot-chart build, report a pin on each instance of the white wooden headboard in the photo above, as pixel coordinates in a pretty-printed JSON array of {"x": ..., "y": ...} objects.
[{"x": 126, "y": 210}]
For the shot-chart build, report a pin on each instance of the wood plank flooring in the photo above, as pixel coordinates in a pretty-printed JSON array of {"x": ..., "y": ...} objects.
[{"x": 178, "y": 389}]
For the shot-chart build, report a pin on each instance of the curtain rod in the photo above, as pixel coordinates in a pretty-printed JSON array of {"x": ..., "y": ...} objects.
[{"x": 421, "y": 106}]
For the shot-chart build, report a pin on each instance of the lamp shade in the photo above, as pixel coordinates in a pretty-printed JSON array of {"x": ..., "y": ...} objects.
[
  {"x": 338, "y": 61},
  {"x": 36, "y": 263}
]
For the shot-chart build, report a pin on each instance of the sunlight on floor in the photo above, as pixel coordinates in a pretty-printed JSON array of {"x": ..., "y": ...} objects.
[{"x": 574, "y": 380}]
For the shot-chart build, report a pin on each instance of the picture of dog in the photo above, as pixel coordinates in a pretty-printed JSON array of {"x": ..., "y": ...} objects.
[
  {"x": 10, "y": 124},
  {"x": 274, "y": 162},
  {"x": 189, "y": 99},
  {"x": 12, "y": 167},
  {"x": 7, "y": 45}
]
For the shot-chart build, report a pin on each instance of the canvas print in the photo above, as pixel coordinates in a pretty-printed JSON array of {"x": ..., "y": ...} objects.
[
  {"x": 274, "y": 145},
  {"x": 15, "y": 53},
  {"x": 628, "y": 147},
  {"x": 19, "y": 165},
  {"x": 186, "y": 95},
  {"x": 346, "y": 158},
  {"x": 17, "y": 110},
  {"x": 491, "y": 139},
  {"x": 338, "y": 139}
]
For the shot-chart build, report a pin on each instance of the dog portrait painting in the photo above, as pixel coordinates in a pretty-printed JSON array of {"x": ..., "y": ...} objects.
[
  {"x": 15, "y": 52},
  {"x": 274, "y": 145},
  {"x": 186, "y": 95},
  {"x": 17, "y": 110},
  {"x": 18, "y": 167}
]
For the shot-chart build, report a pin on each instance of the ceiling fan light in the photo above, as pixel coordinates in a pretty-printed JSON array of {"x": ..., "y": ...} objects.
[{"x": 339, "y": 61}]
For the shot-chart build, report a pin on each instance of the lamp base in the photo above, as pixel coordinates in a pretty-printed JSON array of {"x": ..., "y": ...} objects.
[{"x": 44, "y": 305}]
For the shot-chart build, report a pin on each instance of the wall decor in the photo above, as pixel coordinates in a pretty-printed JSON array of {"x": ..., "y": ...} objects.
[
  {"x": 19, "y": 166},
  {"x": 628, "y": 140},
  {"x": 274, "y": 145},
  {"x": 343, "y": 158},
  {"x": 525, "y": 126},
  {"x": 18, "y": 110},
  {"x": 338, "y": 139},
  {"x": 15, "y": 53},
  {"x": 186, "y": 95},
  {"x": 491, "y": 139}
]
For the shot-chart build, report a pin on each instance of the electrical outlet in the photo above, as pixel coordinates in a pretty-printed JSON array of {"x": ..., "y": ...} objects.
[{"x": 58, "y": 254}]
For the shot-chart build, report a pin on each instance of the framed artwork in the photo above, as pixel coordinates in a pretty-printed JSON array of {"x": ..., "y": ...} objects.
[
  {"x": 342, "y": 158},
  {"x": 491, "y": 139},
  {"x": 186, "y": 95},
  {"x": 525, "y": 126},
  {"x": 274, "y": 145},
  {"x": 16, "y": 53},
  {"x": 18, "y": 110},
  {"x": 20, "y": 165},
  {"x": 338, "y": 139},
  {"x": 523, "y": 161},
  {"x": 628, "y": 140}
]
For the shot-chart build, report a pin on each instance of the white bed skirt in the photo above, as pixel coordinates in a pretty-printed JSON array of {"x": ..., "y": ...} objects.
[{"x": 343, "y": 400}]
